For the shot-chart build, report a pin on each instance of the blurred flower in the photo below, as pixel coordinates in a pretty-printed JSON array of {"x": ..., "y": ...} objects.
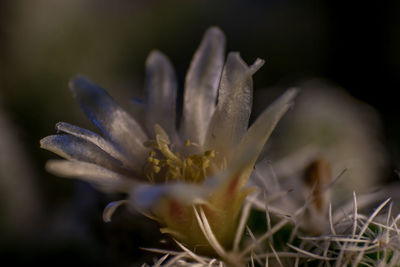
[
  {"x": 326, "y": 150},
  {"x": 190, "y": 180},
  {"x": 332, "y": 124}
]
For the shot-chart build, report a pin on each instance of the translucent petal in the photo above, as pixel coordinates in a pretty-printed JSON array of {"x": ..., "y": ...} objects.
[
  {"x": 227, "y": 184},
  {"x": 201, "y": 85},
  {"x": 74, "y": 148},
  {"x": 106, "y": 180},
  {"x": 231, "y": 117},
  {"x": 161, "y": 89},
  {"x": 114, "y": 122},
  {"x": 261, "y": 129},
  {"x": 99, "y": 141},
  {"x": 145, "y": 196}
]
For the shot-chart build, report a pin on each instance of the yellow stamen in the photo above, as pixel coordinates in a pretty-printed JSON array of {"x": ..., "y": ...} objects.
[
  {"x": 210, "y": 153},
  {"x": 156, "y": 169},
  {"x": 171, "y": 165}
]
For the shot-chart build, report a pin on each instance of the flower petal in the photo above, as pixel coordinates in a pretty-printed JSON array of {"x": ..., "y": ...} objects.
[
  {"x": 104, "y": 179},
  {"x": 161, "y": 89},
  {"x": 114, "y": 122},
  {"x": 74, "y": 148},
  {"x": 146, "y": 197},
  {"x": 261, "y": 129},
  {"x": 201, "y": 85},
  {"x": 111, "y": 208},
  {"x": 231, "y": 117},
  {"x": 99, "y": 141}
]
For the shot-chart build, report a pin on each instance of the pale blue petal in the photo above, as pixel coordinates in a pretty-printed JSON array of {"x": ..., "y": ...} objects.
[
  {"x": 114, "y": 122},
  {"x": 99, "y": 141},
  {"x": 201, "y": 85},
  {"x": 74, "y": 148}
]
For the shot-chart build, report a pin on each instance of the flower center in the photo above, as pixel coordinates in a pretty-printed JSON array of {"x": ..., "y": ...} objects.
[{"x": 164, "y": 164}]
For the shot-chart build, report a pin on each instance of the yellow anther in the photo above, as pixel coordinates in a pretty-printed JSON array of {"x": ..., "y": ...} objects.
[
  {"x": 165, "y": 161},
  {"x": 156, "y": 169},
  {"x": 210, "y": 153},
  {"x": 187, "y": 143}
]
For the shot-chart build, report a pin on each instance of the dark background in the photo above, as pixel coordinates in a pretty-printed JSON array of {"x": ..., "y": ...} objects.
[{"x": 44, "y": 43}]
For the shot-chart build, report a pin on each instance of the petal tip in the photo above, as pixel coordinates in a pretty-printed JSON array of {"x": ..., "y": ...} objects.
[
  {"x": 45, "y": 142},
  {"x": 60, "y": 125},
  {"x": 111, "y": 208},
  {"x": 215, "y": 31},
  {"x": 257, "y": 65},
  {"x": 214, "y": 35},
  {"x": 79, "y": 82},
  {"x": 77, "y": 79},
  {"x": 153, "y": 56},
  {"x": 156, "y": 57},
  {"x": 51, "y": 166}
]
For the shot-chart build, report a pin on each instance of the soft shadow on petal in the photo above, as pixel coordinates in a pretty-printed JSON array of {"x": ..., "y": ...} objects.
[
  {"x": 114, "y": 122},
  {"x": 201, "y": 85},
  {"x": 106, "y": 180},
  {"x": 161, "y": 90},
  {"x": 228, "y": 183},
  {"x": 261, "y": 129},
  {"x": 231, "y": 117},
  {"x": 74, "y": 148},
  {"x": 99, "y": 141},
  {"x": 146, "y": 196}
]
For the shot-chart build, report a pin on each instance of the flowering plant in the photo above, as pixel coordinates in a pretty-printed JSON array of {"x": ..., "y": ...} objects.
[{"x": 191, "y": 179}]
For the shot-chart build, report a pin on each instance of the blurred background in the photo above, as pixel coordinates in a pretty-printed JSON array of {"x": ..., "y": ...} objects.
[{"x": 43, "y": 44}]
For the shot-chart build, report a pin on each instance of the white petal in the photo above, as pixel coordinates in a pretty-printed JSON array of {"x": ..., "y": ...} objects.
[
  {"x": 99, "y": 141},
  {"x": 161, "y": 89},
  {"x": 201, "y": 85},
  {"x": 114, "y": 122},
  {"x": 231, "y": 117},
  {"x": 145, "y": 196},
  {"x": 104, "y": 179},
  {"x": 74, "y": 148},
  {"x": 261, "y": 129},
  {"x": 111, "y": 208}
]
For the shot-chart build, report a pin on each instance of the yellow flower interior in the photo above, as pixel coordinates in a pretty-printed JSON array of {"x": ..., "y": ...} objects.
[{"x": 163, "y": 164}]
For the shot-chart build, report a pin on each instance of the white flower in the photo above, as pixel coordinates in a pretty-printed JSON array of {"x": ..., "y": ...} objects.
[{"x": 175, "y": 175}]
